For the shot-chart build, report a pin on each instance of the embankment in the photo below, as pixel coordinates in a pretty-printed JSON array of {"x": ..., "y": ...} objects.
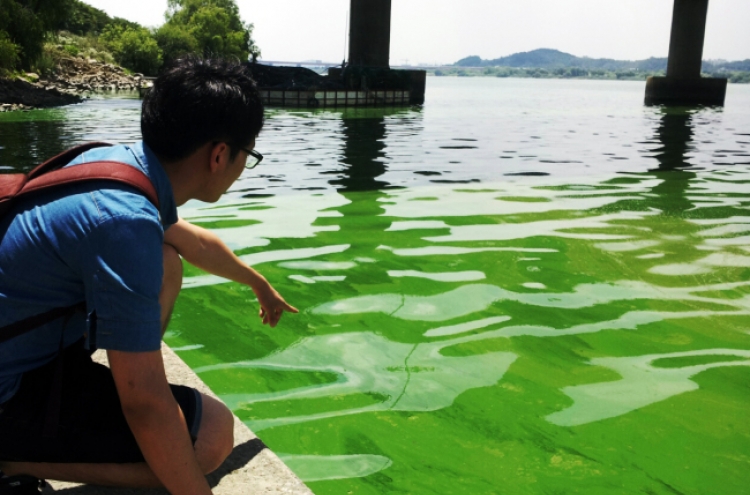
[{"x": 71, "y": 80}]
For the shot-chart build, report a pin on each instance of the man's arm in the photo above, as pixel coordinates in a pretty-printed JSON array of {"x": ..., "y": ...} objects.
[
  {"x": 156, "y": 421},
  {"x": 205, "y": 250}
]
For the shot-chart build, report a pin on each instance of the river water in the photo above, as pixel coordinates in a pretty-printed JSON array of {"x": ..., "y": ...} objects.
[{"x": 526, "y": 286}]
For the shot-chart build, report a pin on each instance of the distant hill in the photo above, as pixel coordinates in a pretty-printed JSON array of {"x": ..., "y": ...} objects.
[{"x": 545, "y": 58}]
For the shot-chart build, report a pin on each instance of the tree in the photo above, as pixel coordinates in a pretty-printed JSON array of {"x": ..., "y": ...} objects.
[
  {"x": 175, "y": 41},
  {"x": 472, "y": 61},
  {"x": 133, "y": 48},
  {"x": 215, "y": 25},
  {"x": 83, "y": 19},
  {"x": 8, "y": 53},
  {"x": 27, "y": 22}
]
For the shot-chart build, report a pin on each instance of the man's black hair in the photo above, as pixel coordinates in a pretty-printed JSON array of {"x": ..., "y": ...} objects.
[{"x": 199, "y": 100}]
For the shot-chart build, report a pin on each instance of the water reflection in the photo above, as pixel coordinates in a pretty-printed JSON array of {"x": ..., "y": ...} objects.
[
  {"x": 29, "y": 138},
  {"x": 26, "y": 143},
  {"x": 364, "y": 156},
  {"x": 628, "y": 234},
  {"x": 675, "y": 133},
  {"x": 642, "y": 384},
  {"x": 409, "y": 377},
  {"x": 572, "y": 300},
  {"x": 642, "y": 234}
]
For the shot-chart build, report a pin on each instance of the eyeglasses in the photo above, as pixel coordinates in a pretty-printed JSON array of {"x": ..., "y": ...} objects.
[{"x": 253, "y": 158}]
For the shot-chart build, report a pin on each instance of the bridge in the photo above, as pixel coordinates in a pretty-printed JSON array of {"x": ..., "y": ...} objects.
[
  {"x": 370, "y": 37},
  {"x": 683, "y": 84}
]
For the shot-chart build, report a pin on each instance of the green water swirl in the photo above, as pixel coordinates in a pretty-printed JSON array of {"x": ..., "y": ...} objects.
[{"x": 525, "y": 287}]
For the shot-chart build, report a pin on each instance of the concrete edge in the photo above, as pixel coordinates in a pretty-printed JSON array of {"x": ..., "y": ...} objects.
[{"x": 250, "y": 468}]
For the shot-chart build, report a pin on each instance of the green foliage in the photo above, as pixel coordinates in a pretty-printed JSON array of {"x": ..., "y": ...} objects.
[
  {"x": 27, "y": 23},
  {"x": 557, "y": 73},
  {"x": 175, "y": 41},
  {"x": 503, "y": 73},
  {"x": 211, "y": 28},
  {"x": 89, "y": 46},
  {"x": 473, "y": 61},
  {"x": 214, "y": 26},
  {"x": 208, "y": 27},
  {"x": 565, "y": 65},
  {"x": 45, "y": 63},
  {"x": 577, "y": 72},
  {"x": 71, "y": 50},
  {"x": 84, "y": 19},
  {"x": 9, "y": 53},
  {"x": 740, "y": 78},
  {"x": 555, "y": 59},
  {"x": 133, "y": 48},
  {"x": 124, "y": 23}
]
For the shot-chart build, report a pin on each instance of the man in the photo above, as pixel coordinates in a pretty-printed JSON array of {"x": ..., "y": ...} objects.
[{"x": 107, "y": 245}]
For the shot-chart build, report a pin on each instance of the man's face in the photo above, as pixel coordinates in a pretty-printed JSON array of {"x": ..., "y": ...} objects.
[{"x": 229, "y": 174}]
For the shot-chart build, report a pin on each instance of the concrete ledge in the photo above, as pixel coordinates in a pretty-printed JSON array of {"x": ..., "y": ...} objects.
[
  {"x": 250, "y": 468},
  {"x": 678, "y": 91}
]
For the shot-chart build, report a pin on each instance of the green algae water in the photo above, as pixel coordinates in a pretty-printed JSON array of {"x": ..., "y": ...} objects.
[{"x": 525, "y": 287}]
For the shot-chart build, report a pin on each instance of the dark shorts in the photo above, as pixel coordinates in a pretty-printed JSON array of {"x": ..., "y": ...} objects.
[{"x": 91, "y": 426}]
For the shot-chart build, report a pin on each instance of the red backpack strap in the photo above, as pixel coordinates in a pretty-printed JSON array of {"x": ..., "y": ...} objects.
[
  {"x": 64, "y": 158},
  {"x": 102, "y": 170},
  {"x": 10, "y": 184}
]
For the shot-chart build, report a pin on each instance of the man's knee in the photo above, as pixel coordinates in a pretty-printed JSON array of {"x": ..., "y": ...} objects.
[{"x": 216, "y": 435}]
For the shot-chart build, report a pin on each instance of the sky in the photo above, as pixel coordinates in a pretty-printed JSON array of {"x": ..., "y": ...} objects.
[{"x": 443, "y": 31}]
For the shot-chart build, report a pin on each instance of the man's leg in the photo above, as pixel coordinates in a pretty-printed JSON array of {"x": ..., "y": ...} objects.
[
  {"x": 215, "y": 436},
  {"x": 214, "y": 444}
]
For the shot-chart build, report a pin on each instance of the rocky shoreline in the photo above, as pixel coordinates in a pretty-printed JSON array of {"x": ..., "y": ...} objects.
[
  {"x": 71, "y": 81},
  {"x": 18, "y": 94}
]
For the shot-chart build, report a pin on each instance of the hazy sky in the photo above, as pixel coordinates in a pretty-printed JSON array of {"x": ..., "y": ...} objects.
[{"x": 443, "y": 31}]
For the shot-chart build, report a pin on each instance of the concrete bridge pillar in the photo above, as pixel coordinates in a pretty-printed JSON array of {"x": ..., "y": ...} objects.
[
  {"x": 368, "y": 67},
  {"x": 683, "y": 84},
  {"x": 686, "y": 41},
  {"x": 370, "y": 33}
]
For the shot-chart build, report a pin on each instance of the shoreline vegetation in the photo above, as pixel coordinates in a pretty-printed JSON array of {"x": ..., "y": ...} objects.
[
  {"x": 58, "y": 50},
  {"x": 737, "y": 77},
  {"x": 554, "y": 64},
  {"x": 61, "y": 50}
]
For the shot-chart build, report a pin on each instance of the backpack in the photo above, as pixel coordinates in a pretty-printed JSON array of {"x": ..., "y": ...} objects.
[{"x": 50, "y": 175}]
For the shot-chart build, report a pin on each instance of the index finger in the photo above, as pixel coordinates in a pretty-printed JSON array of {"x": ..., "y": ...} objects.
[{"x": 290, "y": 308}]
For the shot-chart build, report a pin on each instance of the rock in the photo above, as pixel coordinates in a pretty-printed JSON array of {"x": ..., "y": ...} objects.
[
  {"x": 72, "y": 77},
  {"x": 32, "y": 77},
  {"x": 23, "y": 95}
]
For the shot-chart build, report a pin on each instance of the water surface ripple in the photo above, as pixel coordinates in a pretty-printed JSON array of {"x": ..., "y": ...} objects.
[{"x": 523, "y": 287}]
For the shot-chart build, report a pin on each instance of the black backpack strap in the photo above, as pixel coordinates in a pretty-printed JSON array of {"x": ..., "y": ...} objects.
[{"x": 20, "y": 327}]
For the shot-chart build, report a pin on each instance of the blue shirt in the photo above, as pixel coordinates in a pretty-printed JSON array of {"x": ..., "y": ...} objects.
[{"x": 98, "y": 242}]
